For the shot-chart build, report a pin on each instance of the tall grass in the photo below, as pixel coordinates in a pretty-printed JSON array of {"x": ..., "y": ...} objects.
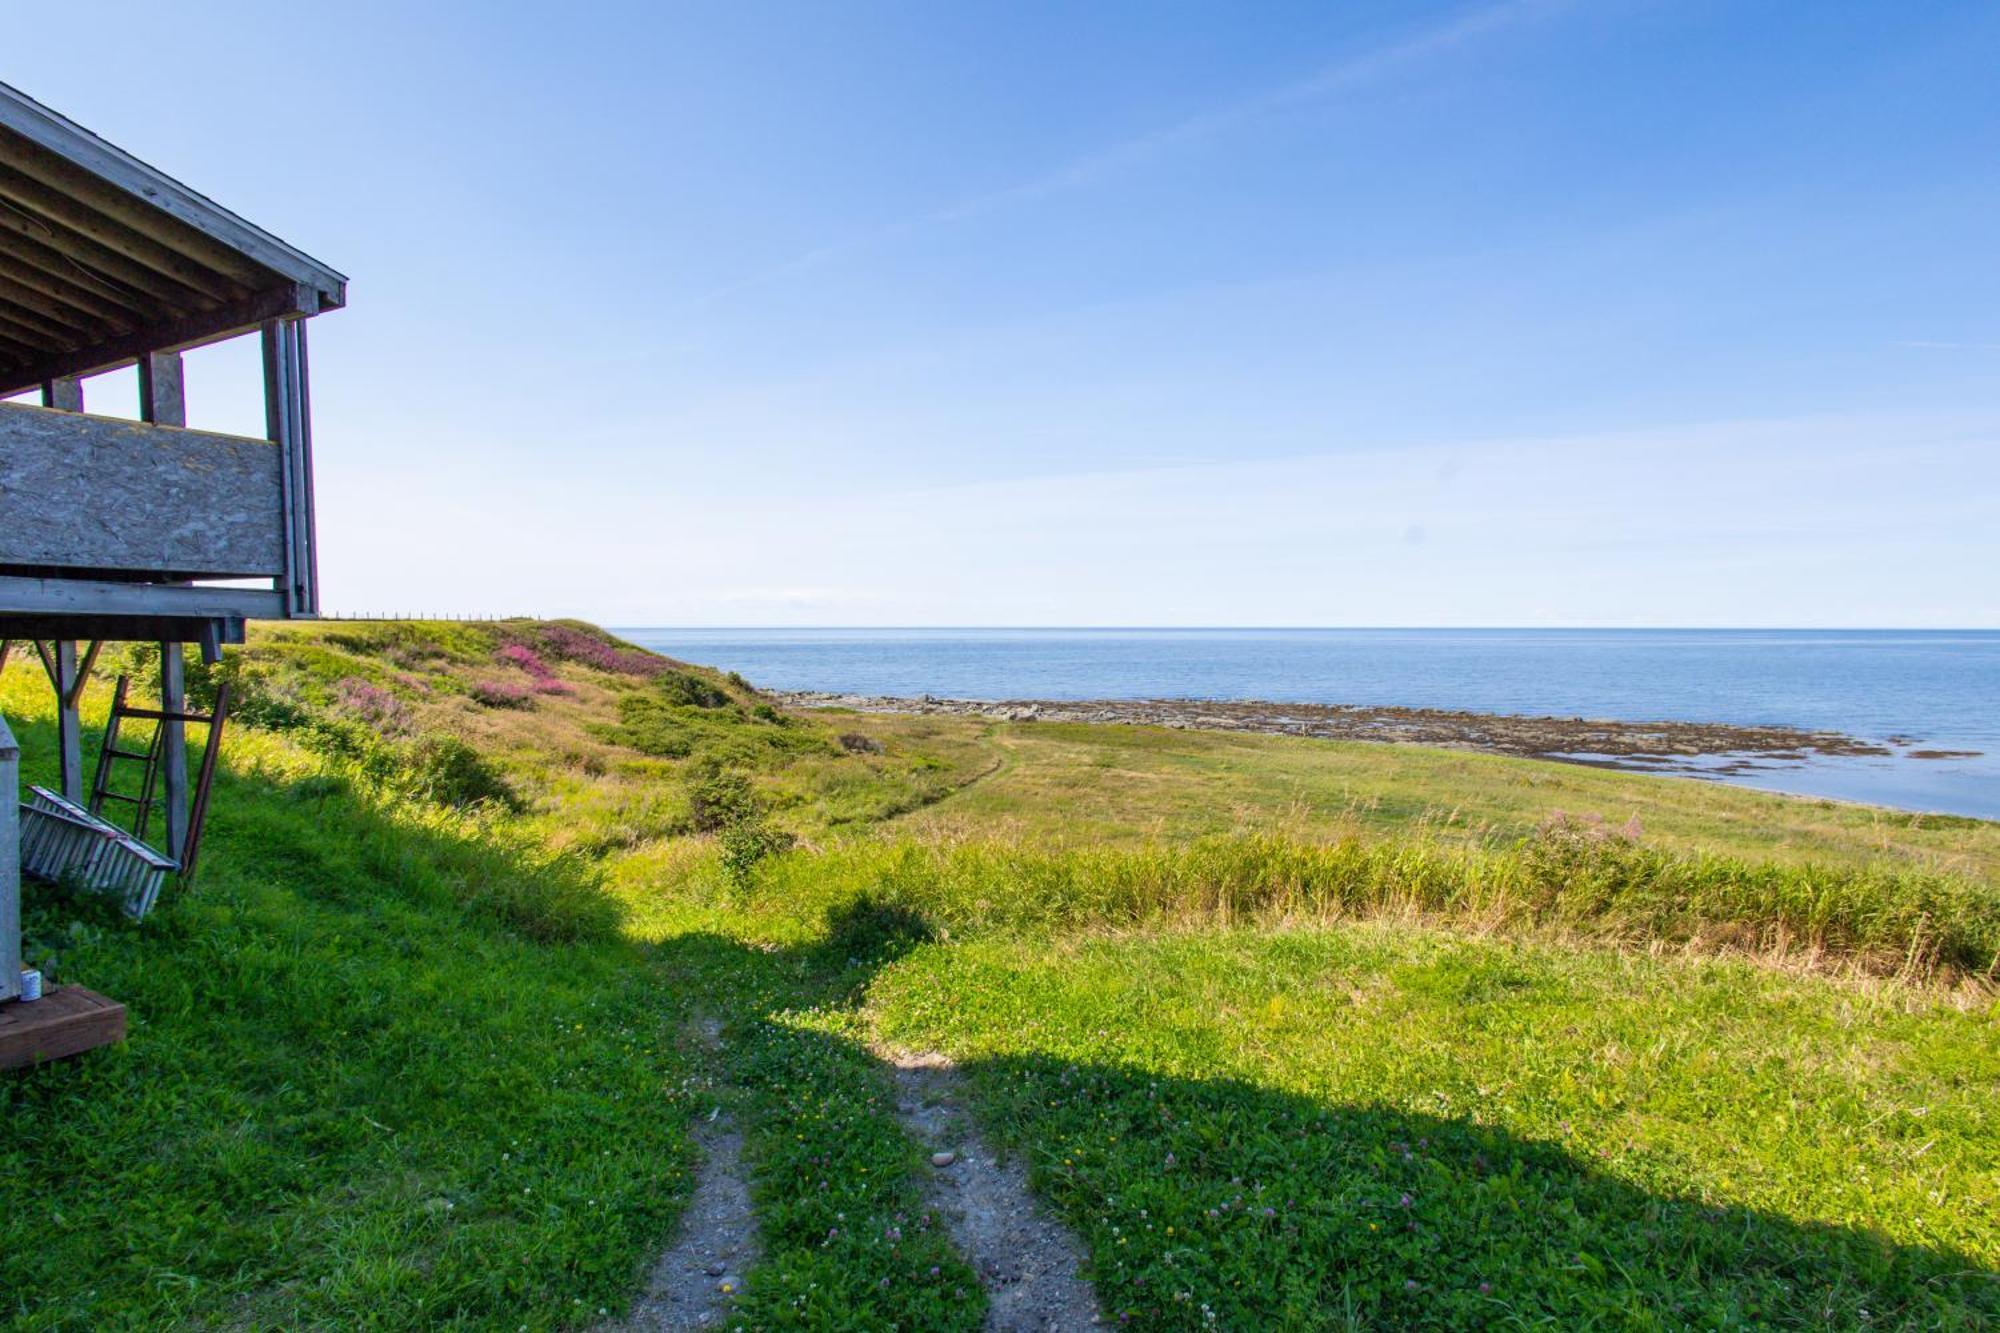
[{"x": 1608, "y": 888}]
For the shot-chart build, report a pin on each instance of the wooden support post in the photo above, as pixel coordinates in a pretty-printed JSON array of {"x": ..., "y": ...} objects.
[
  {"x": 68, "y": 675},
  {"x": 69, "y": 721},
  {"x": 173, "y": 747},
  {"x": 10, "y": 865},
  {"x": 65, "y": 393},
  {"x": 285, "y": 420},
  {"x": 162, "y": 395}
]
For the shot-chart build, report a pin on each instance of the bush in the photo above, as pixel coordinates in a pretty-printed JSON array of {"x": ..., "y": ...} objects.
[
  {"x": 651, "y": 727},
  {"x": 570, "y": 644},
  {"x": 719, "y": 798},
  {"x": 445, "y": 770},
  {"x": 502, "y": 694},
  {"x": 372, "y": 704},
  {"x": 748, "y": 841},
  {"x": 689, "y": 691}
]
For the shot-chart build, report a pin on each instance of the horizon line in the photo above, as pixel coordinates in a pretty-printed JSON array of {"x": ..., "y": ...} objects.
[{"x": 1566, "y": 629}]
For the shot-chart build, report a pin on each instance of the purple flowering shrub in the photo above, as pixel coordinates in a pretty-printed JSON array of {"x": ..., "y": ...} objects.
[
  {"x": 530, "y": 661},
  {"x": 573, "y": 645},
  {"x": 370, "y": 703},
  {"x": 502, "y": 694}
]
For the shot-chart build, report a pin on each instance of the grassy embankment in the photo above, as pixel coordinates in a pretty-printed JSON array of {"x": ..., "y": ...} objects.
[{"x": 1293, "y": 1033}]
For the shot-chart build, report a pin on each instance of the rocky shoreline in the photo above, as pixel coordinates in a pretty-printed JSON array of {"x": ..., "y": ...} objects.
[{"x": 1640, "y": 746}]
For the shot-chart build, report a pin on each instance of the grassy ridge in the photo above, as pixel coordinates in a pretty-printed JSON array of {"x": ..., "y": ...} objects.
[{"x": 1578, "y": 878}]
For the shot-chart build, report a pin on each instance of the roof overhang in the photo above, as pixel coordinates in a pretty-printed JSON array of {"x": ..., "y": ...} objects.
[{"x": 103, "y": 258}]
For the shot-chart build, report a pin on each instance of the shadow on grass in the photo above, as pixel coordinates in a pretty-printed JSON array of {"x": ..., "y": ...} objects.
[
  {"x": 1222, "y": 1204},
  {"x": 381, "y": 1069}
]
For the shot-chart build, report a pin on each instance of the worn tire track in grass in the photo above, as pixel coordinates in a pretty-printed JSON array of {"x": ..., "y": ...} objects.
[
  {"x": 1028, "y": 1262},
  {"x": 694, "y": 1284}
]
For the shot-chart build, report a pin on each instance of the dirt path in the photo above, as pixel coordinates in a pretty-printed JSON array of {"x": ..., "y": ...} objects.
[
  {"x": 693, "y": 1284},
  {"x": 1027, "y": 1261}
]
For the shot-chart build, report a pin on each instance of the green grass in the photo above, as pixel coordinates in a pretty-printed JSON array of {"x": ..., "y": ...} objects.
[
  {"x": 354, "y": 1086},
  {"x": 1072, "y": 785},
  {"x": 1377, "y": 1125},
  {"x": 405, "y": 1057}
]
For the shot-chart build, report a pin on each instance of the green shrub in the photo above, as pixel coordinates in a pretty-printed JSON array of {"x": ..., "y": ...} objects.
[
  {"x": 748, "y": 841},
  {"x": 447, "y": 771},
  {"x": 689, "y": 690},
  {"x": 719, "y": 798}
]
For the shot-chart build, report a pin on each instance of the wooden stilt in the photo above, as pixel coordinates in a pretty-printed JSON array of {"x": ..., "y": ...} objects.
[
  {"x": 173, "y": 746},
  {"x": 10, "y": 865},
  {"x": 68, "y": 675}
]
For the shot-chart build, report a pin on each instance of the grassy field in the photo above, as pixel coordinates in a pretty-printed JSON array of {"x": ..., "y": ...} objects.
[{"x": 1292, "y": 1033}]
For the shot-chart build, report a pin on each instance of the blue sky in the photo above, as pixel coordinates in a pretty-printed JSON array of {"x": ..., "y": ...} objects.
[{"x": 1590, "y": 313}]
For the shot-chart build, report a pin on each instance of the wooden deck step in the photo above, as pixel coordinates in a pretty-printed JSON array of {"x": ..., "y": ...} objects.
[{"x": 67, "y": 1021}]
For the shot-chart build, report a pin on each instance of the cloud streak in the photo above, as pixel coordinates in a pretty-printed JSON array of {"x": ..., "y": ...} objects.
[{"x": 1348, "y": 73}]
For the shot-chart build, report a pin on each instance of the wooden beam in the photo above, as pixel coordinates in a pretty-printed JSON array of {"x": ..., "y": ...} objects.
[
  {"x": 24, "y": 595},
  {"x": 159, "y": 193},
  {"x": 62, "y": 669},
  {"x": 162, "y": 391},
  {"x": 105, "y": 262},
  {"x": 173, "y": 747},
  {"x": 211, "y": 634},
  {"x": 23, "y": 324},
  {"x": 230, "y": 276},
  {"x": 285, "y": 421},
  {"x": 10, "y": 865},
  {"x": 64, "y": 393},
  {"x": 50, "y": 270},
  {"x": 105, "y": 203},
  {"x": 23, "y": 293},
  {"x": 225, "y": 321}
]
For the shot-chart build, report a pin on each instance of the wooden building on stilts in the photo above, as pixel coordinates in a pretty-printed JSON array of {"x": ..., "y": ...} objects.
[{"x": 151, "y": 531}]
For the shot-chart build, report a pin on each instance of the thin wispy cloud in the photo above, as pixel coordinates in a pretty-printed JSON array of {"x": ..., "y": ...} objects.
[{"x": 1347, "y": 74}]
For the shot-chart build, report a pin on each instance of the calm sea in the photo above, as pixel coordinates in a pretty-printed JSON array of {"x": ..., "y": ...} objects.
[{"x": 1940, "y": 688}]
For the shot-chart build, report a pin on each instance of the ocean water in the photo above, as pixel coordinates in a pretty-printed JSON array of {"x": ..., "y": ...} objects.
[{"x": 1928, "y": 689}]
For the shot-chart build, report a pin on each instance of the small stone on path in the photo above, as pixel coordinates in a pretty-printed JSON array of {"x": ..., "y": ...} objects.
[{"x": 943, "y": 1158}]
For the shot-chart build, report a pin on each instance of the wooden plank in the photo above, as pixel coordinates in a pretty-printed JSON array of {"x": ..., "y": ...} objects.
[
  {"x": 284, "y": 418},
  {"x": 91, "y": 203},
  {"x": 64, "y": 393},
  {"x": 107, "y": 495},
  {"x": 26, "y": 596},
  {"x": 68, "y": 684},
  {"x": 107, "y": 262},
  {"x": 210, "y": 633},
  {"x": 10, "y": 864},
  {"x": 46, "y": 271},
  {"x": 174, "y": 334},
  {"x": 66, "y": 216},
  {"x": 162, "y": 389},
  {"x": 23, "y": 324},
  {"x": 173, "y": 748},
  {"x": 153, "y": 191},
  {"x": 66, "y": 1021},
  {"x": 26, "y": 295}
]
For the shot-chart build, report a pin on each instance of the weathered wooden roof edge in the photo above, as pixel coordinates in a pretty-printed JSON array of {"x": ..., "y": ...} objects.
[{"x": 150, "y": 186}]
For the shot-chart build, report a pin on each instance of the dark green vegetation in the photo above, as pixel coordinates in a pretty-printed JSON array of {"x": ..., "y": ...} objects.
[{"x": 415, "y": 1049}]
